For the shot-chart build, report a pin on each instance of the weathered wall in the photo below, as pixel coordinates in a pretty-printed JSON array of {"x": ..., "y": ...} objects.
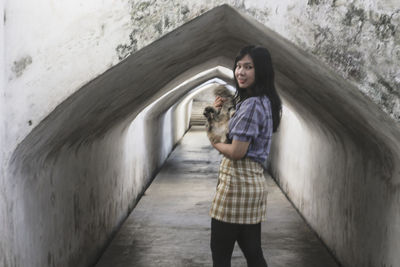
[
  {"x": 64, "y": 45},
  {"x": 82, "y": 193},
  {"x": 71, "y": 186},
  {"x": 355, "y": 38},
  {"x": 4, "y": 214},
  {"x": 344, "y": 181},
  {"x": 53, "y": 49}
]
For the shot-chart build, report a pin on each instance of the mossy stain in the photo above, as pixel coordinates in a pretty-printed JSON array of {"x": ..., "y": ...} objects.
[{"x": 20, "y": 65}]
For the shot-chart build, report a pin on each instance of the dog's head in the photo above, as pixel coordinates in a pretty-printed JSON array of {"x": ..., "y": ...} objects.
[{"x": 209, "y": 113}]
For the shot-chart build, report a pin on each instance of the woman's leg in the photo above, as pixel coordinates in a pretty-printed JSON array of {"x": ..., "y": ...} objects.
[
  {"x": 249, "y": 240},
  {"x": 223, "y": 238}
]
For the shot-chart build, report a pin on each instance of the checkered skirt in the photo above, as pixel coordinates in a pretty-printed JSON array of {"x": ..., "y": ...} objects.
[{"x": 241, "y": 195}]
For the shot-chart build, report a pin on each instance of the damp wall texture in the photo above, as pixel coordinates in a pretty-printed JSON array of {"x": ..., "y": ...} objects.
[
  {"x": 358, "y": 39},
  {"x": 65, "y": 206},
  {"x": 54, "y": 50},
  {"x": 3, "y": 163}
]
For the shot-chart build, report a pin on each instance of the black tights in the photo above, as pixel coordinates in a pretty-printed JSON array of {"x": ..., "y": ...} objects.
[{"x": 223, "y": 238}]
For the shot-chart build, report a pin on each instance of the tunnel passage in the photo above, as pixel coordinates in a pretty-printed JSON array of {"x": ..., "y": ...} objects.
[{"x": 336, "y": 155}]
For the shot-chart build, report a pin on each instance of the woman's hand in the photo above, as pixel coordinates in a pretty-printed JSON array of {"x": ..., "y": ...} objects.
[
  {"x": 215, "y": 145},
  {"x": 219, "y": 101}
]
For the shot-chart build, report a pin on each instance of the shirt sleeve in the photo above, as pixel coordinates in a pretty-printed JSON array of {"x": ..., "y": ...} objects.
[{"x": 247, "y": 121}]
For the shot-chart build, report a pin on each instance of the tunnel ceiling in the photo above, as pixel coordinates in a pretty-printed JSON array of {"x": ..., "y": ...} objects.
[{"x": 212, "y": 39}]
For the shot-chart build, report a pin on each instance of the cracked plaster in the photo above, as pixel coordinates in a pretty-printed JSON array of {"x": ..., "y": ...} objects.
[
  {"x": 73, "y": 42},
  {"x": 353, "y": 38},
  {"x": 87, "y": 45}
]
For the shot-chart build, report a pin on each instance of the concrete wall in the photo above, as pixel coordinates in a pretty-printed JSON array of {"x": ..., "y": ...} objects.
[
  {"x": 67, "y": 172},
  {"x": 344, "y": 182},
  {"x": 54, "y": 48},
  {"x": 66, "y": 204},
  {"x": 71, "y": 191},
  {"x": 4, "y": 216}
]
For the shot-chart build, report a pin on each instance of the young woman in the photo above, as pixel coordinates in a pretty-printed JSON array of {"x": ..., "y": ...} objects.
[{"x": 240, "y": 202}]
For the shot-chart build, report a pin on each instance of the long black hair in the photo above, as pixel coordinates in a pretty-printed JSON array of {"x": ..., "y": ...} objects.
[{"x": 264, "y": 83}]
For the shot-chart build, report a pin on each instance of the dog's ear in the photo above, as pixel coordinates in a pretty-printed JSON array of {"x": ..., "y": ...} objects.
[{"x": 208, "y": 126}]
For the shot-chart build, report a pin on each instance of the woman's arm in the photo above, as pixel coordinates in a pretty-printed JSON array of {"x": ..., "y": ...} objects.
[{"x": 235, "y": 151}]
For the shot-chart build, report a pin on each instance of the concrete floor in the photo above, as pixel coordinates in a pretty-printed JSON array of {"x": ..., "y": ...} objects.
[{"x": 170, "y": 225}]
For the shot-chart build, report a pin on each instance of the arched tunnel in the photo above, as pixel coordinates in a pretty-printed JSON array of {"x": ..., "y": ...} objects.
[{"x": 81, "y": 171}]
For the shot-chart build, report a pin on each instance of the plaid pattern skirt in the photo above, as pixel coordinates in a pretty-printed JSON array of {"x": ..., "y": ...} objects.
[{"x": 241, "y": 195}]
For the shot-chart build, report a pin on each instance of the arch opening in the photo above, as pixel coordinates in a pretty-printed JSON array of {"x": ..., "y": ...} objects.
[{"x": 336, "y": 155}]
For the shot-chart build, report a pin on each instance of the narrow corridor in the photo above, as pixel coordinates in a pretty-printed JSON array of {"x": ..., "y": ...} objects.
[{"x": 170, "y": 225}]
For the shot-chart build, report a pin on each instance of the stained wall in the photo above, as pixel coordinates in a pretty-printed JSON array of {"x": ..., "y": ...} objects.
[{"x": 76, "y": 74}]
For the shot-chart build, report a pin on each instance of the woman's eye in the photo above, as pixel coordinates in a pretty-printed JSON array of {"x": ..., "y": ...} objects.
[{"x": 246, "y": 67}]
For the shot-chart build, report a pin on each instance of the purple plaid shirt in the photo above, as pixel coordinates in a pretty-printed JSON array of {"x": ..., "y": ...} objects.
[{"x": 252, "y": 122}]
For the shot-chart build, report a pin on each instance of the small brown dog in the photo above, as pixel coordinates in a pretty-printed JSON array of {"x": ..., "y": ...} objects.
[{"x": 218, "y": 119}]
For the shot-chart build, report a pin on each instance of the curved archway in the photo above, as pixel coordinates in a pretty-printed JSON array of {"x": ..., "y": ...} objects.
[{"x": 346, "y": 155}]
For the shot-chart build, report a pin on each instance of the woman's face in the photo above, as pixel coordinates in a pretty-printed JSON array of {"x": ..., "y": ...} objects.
[{"x": 245, "y": 72}]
